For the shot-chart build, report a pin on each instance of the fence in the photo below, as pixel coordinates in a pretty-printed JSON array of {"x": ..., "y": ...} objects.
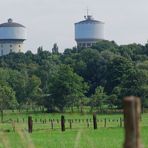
[
  {"x": 132, "y": 114},
  {"x": 132, "y": 117},
  {"x": 72, "y": 123}
]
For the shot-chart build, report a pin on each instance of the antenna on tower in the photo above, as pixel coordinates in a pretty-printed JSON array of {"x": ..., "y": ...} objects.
[{"x": 87, "y": 13}]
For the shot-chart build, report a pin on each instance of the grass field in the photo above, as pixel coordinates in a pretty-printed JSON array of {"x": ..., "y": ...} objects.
[{"x": 80, "y": 136}]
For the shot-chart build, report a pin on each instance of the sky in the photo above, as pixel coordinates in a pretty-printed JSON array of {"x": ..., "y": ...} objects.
[{"x": 52, "y": 21}]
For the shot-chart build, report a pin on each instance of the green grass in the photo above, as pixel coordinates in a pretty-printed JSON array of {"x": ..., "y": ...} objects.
[{"x": 78, "y": 137}]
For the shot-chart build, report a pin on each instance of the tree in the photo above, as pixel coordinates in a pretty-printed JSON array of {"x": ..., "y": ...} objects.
[
  {"x": 98, "y": 98},
  {"x": 91, "y": 66},
  {"x": 111, "y": 100},
  {"x": 33, "y": 90},
  {"x": 66, "y": 88},
  {"x": 105, "y": 45},
  {"x": 133, "y": 82},
  {"x": 7, "y": 99},
  {"x": 47, "y": 79},
  {"x": 131, "y": 51},
  {"x": 55, "y": 49},
  {"x": 118, "y": 69},
  {"x": 136, "y": 84}
]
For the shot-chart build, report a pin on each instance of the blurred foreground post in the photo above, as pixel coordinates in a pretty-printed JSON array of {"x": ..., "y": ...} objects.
[
  {"x": 62, "y": 123},
  {"x": 132, "y": 110},
  {"x": 95, "y": 121},
  {"x": 30, "y": 124}
]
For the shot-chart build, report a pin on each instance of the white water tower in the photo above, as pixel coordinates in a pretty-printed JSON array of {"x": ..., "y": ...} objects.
[
  {"x": 88, "y": 31},
  {"x": 12, "y": 36}
]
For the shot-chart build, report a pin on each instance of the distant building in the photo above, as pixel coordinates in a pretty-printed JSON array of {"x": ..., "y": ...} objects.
[
  {"x": 12, "y": 36},
  {"x": 88, "y": 31}
]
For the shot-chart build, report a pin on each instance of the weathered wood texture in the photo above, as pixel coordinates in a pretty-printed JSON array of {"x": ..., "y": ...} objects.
[{"x": 132, "y": 111}]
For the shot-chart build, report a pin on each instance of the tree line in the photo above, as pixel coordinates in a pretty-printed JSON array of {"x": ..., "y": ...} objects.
[{"x": 98, "y": 77}]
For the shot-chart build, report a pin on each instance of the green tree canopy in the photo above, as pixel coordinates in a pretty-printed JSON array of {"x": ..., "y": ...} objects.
[{"x": 7, "y": 99}]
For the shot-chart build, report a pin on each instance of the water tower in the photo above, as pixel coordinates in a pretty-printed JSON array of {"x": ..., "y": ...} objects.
[
  {"x": 88, "y": 31},
  {"x": 12, "y": 36}
]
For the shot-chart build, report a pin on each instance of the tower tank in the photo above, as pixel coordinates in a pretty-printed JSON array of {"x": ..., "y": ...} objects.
[
  {"x": 88, "y": 31},
  {"x": 12, "y": 36}
]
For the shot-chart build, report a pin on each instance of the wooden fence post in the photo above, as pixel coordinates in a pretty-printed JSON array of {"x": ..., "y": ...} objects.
[
  {"x": 132, "y": 109},
  {"x": 95, "y": 121},
  {"x": 105, "y": 122},
  {"x": 62, "y": 123},
  {"x": 87, "y": 123},
  {"x": 30, "y": 124},
  {"x": 120, "y": 122},
  {"x": 70, "y": 124},
  {"x": 13, "y": 125},
  {"x": 51, "y": 124}
]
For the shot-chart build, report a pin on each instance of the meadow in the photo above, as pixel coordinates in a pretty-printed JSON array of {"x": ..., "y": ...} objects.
[{"x": 80, "y": 136}]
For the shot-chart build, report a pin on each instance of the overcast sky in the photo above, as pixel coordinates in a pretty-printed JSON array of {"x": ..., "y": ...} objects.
[{"x": 50, "y": 21}]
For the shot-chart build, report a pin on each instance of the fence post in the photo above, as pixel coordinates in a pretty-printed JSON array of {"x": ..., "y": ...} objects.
[
  {"x": 120, "y": 122},
  {"x": 30, "y": 124},
  {"x": 87, "y": 123},
  {"x": 13, "y": 125},
  {"x": 132, "y": 109},
  {"x": 62, "y": 123},
  {"x": 105, "y": 122},
  {"x": 95, "y": 121},
  {"x": 51, "y": 124},
  {"x": 70, "y": 124}
]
